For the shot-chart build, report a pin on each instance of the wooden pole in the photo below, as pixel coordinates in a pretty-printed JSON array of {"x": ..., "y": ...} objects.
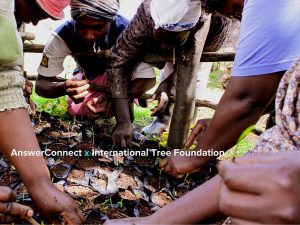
[
  {"x": 186, "y": 87},
  {"x": 154, "y": 58}
]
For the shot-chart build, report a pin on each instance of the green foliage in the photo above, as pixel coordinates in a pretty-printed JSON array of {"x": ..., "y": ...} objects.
[
  {"x": 240, "y": 149},
  {"x": 56, "y": 107},
  {"x": 215, "y": 79},
  {"x": 142, "y": 116}
]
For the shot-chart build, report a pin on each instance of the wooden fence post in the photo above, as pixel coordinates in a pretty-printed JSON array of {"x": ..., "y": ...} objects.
[{"x": 186, "y": 88}]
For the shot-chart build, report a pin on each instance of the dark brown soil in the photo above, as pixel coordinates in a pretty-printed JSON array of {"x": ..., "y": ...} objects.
[
  {"x": 125, "y": 181},
  {"x": 43, "y": 139},
  {"x": 154, "y": 183},
  {"x": 87, "y": 164},
  {"x": 161, "y": 199},
  {"x": 61, "y": 170},
  {"x": 180, "y": 191},
  {"x": 128, "y": 195},
  {"x": 38, "y": 128},
  {"x": 85, "y": 146},
  {"x": 76, "y": 176},
  {"x": 78, "y": 191},
  {"x": 116, "y": 214},
  {"x": 51, "y": 133},
  {"x": 145, "y": 162},
  {"x": 57, "y": 147},
  {"x": 9, "y": 179},
  {"x": 144, "y": 210},
  {"x": 93, "y": 219},
  {"x": 67, "y": 160}
]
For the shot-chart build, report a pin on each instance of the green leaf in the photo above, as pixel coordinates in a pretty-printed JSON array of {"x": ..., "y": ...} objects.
[{"x": 245, "y": 133}]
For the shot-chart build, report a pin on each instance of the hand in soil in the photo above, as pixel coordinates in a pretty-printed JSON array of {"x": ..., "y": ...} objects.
[
  {"x": 9, "y": 209},
  {"x": 54, "y": 205},
  {"x": 261, "y": 188},
  {"x": 122, "y": 135},
  {"x": 178, "y": 165},
  {"x": 197, "y": 132}
]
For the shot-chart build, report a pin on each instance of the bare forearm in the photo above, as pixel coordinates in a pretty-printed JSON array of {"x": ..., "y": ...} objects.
[
  {"x": 241, "y": 106},
  {"x": 16, "y": 133},
  {"x": 197, "y": 205},
  {"x": 50, "y": 89}
]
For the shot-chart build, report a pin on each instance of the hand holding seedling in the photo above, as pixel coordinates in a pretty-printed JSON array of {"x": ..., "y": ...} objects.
[
  {"x": 262, "y": 188},
  {"x": 77, "y": 89},
  {"x": 9, "y": 209}
]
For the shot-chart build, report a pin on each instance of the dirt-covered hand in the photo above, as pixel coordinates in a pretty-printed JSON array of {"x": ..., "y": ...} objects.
[
  {"x": 197, "y": 132},
  {"x": 77, "y": 89},
  {"x": 180, "y": 164},
  {"x": 261, "y": 189},
  {"x": 54, "y": 205},
  {"x": 122, "y": 134},
  {"x": 9, "y": 209}
]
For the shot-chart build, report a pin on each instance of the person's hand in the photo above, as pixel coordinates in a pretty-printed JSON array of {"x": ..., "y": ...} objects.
[
  {"x": 262, "y": 188},
  {"x": 196, "y": 133},
  {"x": 122, "y": 134},
  {"x": 9, "y": 209},
  {"x": 163, "y": 101},
  {"x": 77, "y": 89},
  {"x": 54, "y": 205},
  {"x": 27, "y": 91},
  {"x": 97, "y": 106},
  {"x": 178, "y": 165}
]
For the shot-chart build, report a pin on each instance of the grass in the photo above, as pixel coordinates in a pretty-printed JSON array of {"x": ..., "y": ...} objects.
[
  {"x": 142, "y": 116},
  {"x": 215, "y": 79},
  {"x": 56, "y": 107},
  {"x": 240, "y": 149}
]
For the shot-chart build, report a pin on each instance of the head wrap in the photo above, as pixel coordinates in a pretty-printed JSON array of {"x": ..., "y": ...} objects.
[
  {"x": 97, "y": 9},
  {"x": 286, "y": 134},
  {"x": 175, "y": 15}
]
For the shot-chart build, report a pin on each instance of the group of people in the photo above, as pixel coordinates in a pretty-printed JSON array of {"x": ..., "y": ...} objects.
[{"x": 108, "y": 50}]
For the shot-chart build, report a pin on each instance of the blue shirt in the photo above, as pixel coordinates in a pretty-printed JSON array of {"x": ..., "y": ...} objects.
[
  {"x": 91, "y": 65},
  {"x": 269, "y": 37}
]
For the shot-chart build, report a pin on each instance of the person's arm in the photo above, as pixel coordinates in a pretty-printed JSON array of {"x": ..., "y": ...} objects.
[
  {"x": 50, "y": 87},
  {"x": 194, "y": 207},
  {"x": 16, "y": 135},
  {"x": 261, "y": 188},
  {"x": 126, "y": 52},
  {"x": 54, "y": 87},
  {"x": 242, "y": 104}
]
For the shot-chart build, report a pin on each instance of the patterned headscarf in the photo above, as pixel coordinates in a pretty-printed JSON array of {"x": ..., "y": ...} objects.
[
  {"x": 286, "y": 134},
  {"x": 97, "y": 9}
]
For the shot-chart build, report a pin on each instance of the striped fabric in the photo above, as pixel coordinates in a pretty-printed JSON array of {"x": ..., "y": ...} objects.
[{"x": 97, "y": 9}]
